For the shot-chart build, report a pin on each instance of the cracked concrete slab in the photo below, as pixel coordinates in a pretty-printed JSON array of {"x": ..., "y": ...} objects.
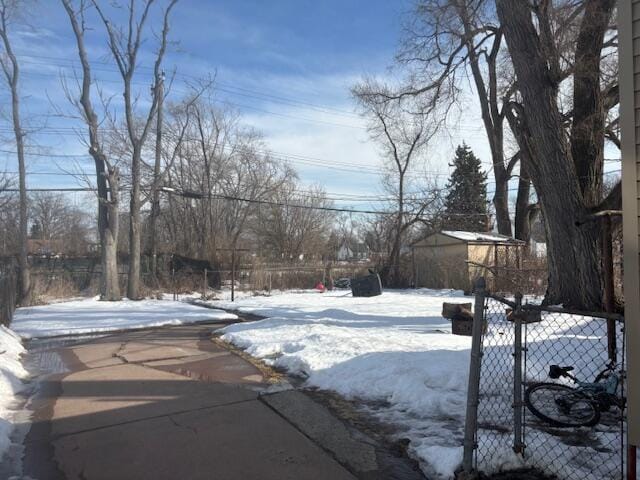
[
  {"x": 225, "y": 368},
  {"x": 235, "y": 442},
  {"x": 135, "y": 353},
  {"x": 165, "y": 417},
  {"x": 363, "y": 455},
  {"x": 106, "y": 396},
  {"x": 320, "y": 425},
  {"x": 91, "y": 356},
  {"x": 183, "y": 360}
]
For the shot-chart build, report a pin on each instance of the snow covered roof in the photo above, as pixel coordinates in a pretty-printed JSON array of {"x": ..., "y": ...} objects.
[{"x": 479, "y": 237}]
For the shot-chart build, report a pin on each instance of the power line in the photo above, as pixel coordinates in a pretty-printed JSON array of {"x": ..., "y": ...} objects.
[
  {"x": 469, "y": 128},
  {"x": 61, "y": 189},
  {"x": 198, "y": 195},
  {"x": 221, "y": 85},
  {"x": 286, "y": 157}
]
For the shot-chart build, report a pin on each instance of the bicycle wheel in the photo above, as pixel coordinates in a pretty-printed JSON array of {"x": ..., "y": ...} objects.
[{"x": 561, "y": 406}]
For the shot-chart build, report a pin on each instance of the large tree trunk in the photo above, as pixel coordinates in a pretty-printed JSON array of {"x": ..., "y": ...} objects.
[
  {"x": 109, "y": 240},
  {"x": 501, "y": 201},
  {"x": 574, "y": 265},
  {"x": 525, "y": 211},
  {"x": 522, "y": 221},
  {"x": 587, "y": 129},
  {"x": 108, "y": 226},
  {"x": 106, "y": 179}
]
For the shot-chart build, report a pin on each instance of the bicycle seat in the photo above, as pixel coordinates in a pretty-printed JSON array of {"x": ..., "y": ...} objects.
[{"x": 556, "y": 372}]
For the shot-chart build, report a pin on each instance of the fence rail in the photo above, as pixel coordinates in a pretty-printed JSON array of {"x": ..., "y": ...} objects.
[{"x": 519, "y": 343}]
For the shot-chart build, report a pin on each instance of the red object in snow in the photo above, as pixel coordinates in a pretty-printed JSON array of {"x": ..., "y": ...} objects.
[{"x": 320, "y": 287}]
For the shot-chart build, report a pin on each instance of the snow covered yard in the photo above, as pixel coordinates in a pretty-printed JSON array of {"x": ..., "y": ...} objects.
[
  {"x": 12, "y": 375},
  {"x": 394, "y": 351},
  {"x": 93, "y": 316}
]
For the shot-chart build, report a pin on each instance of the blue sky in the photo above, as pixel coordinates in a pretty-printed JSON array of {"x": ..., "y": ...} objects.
[
  {"x": 305, "y": 53},
  {"x": 286, "y": 65}
]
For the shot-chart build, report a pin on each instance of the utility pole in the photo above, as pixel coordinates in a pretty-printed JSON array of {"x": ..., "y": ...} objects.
[{"x": 155, "y": 205}]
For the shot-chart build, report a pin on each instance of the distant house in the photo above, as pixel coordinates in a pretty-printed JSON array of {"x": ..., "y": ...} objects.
[
  {"x": 353, "y": 251},
  {"x": 454, "y": 259}
]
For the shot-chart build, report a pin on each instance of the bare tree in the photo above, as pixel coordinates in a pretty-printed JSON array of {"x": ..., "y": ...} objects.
[
  {"x": 124, "y": 44},
  {"x": 294, "y": 224},
  {"x": 11, "y": 69},
  {"x": 567, "y": 163},
  {"x": 402, "y": 136},
  {"x": 55, "y": 218},
  {"x": 107, "y": 175},
  {"x": 445, "y": 43},
  {"x": 173, "y": 139},
  {"x": 49, "y": 212},
  {"x": 223, "y": 161}
]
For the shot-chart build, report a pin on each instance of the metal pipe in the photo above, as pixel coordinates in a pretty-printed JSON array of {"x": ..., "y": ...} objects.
[
  {"x": 609, "y": 299},
  {"x": 204, "y": 285},
  {"x": 471, "y": 420},
  {"x": 518, "y": 440},
  {"x": 233, "y": 274}
]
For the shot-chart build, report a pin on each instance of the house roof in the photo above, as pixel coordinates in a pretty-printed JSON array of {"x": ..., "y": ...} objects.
[{"x": 479, "y": 236}]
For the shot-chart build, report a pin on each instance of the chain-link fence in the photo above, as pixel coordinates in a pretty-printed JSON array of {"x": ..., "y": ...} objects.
[
  {"x": 534, "y": 412},
  {"x": 495, "y": 436},
  {"x": 63, "y": 278},
  {"x": 257, "y": 280}
]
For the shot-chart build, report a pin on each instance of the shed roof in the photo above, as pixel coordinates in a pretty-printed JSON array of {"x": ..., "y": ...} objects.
[{"x": 480, "y": 237}]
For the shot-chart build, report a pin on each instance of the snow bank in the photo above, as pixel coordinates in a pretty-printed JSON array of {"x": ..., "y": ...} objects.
[
  {"x": 93, "y": 316},
  {"x": 12, "y": 374},
  {"x": 394, "y": 351}
]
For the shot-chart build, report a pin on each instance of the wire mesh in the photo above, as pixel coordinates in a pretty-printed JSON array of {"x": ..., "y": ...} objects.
[
  {"x": 581, "y": 342},
  {"x": 494, "y": 438},
  {"x": 589, "y": 344}
]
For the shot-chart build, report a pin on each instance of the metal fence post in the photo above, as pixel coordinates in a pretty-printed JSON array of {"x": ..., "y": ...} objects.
[
  {"x": 173, "y": 283},
  {"x": 471, "y": 420},
  {"x": 518, "y": 440},
  {"x": 204, "y": 285},
  {"x": 233, "y": 274}
]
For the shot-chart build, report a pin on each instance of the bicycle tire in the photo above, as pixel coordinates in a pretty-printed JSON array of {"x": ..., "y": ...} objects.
[{"x": 581, "y": 410}]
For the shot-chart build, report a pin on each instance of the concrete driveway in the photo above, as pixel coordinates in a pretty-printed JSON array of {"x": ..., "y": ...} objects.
[{"x": 165, "y": 404}]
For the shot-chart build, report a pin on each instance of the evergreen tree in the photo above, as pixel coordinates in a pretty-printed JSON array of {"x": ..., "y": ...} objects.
[{"x": 466, "y": 201}]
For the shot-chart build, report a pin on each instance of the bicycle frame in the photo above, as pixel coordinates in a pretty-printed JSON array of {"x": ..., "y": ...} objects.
[{"x": 610, "y": 385}]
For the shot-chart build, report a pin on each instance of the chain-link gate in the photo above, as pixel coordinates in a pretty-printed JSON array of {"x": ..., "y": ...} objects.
[{"x": 519, "y": 344}]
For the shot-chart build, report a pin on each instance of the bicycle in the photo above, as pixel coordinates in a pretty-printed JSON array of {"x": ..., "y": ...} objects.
[{"x": 561, "y": 405}]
